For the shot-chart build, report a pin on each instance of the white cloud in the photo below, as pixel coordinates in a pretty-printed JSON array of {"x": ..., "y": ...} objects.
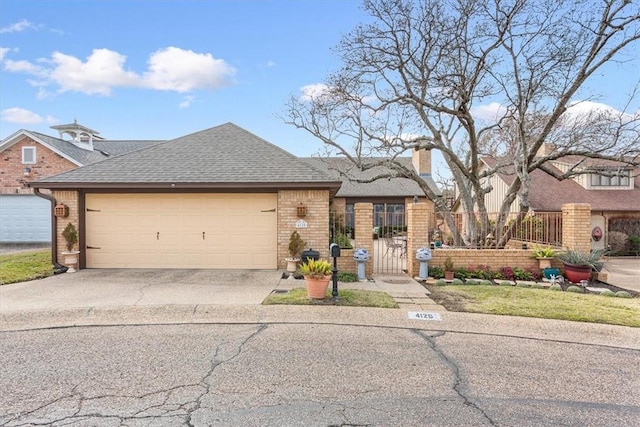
[
  {"x": 102, "y": 71},
  {"x": 3, "y": 52},
  {"x": 171, "y": 69},
  {"x": 16, "y": 27},
  {"x": 24, "y": 67},
  {"x": 186, "y": 101},
  {"x": 493, "y": 111},
  {"x": 184, "y": 70},
  {"x": 20, "y": 116},
  {"x": 314, "y": 91}
]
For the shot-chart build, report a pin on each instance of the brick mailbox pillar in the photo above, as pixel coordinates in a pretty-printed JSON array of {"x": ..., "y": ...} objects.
[
  {"x": 576, "y": 226},
  {"x": 364, "y": 232},
  {"x": 417, "y": 233}
]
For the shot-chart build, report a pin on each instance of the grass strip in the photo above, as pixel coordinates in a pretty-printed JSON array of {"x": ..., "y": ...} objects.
[{"x": 346, "y": 297}]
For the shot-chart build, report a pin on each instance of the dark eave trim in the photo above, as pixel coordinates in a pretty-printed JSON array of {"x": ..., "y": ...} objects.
[{"x": 183, "y": 185}]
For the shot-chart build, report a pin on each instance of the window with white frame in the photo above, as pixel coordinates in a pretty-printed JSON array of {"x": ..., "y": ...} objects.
[
  {"x": 610, "y": 179},
  {"x": 28, "y": 155}
]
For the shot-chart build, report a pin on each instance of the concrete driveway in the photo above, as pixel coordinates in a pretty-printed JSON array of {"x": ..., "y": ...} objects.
[
  {"x": 140, "y": 287},
  {"x": 623, "y": 272}
]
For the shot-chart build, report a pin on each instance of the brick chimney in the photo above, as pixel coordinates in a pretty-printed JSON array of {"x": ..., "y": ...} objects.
[{"x": 421, "y": 160}]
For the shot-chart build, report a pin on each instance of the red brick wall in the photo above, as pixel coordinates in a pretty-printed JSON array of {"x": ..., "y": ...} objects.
[{"x": 12, "y": 179}]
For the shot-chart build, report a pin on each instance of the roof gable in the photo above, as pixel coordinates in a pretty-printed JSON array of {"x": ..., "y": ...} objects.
[{"x": 224, "y": 155}]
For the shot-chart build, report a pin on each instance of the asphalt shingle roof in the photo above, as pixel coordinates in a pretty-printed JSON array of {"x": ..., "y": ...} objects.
[
  {"x": 225, "y": 154},
  {"x": 393, "y": 187},
  {"x": 103, "y": 149},
  {"x": 547, "y": 194}
]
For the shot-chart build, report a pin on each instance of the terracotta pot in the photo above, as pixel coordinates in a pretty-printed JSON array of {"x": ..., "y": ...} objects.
[
  {"x": 448, "y": 275},
  {"x": 577, "y": 273},
  {"x": 317, "y": 288},
  {"x": 544, "y": 262}
]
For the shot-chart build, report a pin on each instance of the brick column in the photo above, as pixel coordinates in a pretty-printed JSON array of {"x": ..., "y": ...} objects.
[
  {"x": 418, "y": 215},
  {"x": 576, "y": 226},
  {"x": 364, "y": 232},
  {"x": 69, "y": 198}
]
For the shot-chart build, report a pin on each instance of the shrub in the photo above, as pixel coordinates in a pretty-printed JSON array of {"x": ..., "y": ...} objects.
[
  {"x": 623, "y": 294},
  {"x": 316, "y": 269},
  {"x": 575, "y": 289},
  {"x": 522, "y": 285},
  {"x": 472, "y": 282},
  {"x": 296, "y": 244},
  {"x": 70, "y": 235},
  {"x": 436, "y": 272},
  {"x": 519, "y": 274},
  {"x": 507, "y": 273},
  {"x": 347, "y": 277},
  {"x": 480, "y": 272},
  {"x": 505, "y": 283},
  {"x": 457, "y": 282},
  {"x": 591, "y": 259},
  {"x": 608, "y": 293},
  {"x": 441, "y": 282},
  {"x": 343, "y": 241},
  {"x": 555, "y": 287},
  {"x": 461, "y": 273},
  {"x": 486, "y": 282}
]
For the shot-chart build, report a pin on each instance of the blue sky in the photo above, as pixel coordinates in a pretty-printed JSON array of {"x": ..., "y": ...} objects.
[
  {"x": 213, "y": 62},
  {"x": 163, "y": 69}
]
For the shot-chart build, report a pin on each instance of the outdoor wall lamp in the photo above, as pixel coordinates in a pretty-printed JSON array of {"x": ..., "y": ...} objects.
[
  {"x": 301, "y": 210},
  {"x": 27, "y": 172}
]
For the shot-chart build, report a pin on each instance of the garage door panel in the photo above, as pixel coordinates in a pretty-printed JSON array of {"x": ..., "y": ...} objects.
[{"x": 166, "y": 231}]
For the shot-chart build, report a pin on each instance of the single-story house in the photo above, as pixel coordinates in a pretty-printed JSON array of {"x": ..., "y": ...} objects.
[
  {"x": 218, "y": 198},
  {"x": 388, "y": 196},
  {"x": 27, "y": 156}
]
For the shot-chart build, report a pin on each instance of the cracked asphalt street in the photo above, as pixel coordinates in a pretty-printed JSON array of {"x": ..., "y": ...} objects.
[{"x": 286, "y": 374}]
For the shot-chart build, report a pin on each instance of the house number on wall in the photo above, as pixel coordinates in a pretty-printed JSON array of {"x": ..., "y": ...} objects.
[{"x": 301, "y": 223}]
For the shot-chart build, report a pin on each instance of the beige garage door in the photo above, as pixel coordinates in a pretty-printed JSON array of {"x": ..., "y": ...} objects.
[{"x": 181, "y": 231}]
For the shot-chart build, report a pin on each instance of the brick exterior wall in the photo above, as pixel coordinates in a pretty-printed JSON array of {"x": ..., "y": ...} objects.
[
  {"x": 364, "y": 233},
  {"x": 494, "y": 258},
  {"x": 418, "y": 215},
  {"x": 69, "y": 198},
  {"x": 576, "y": 226},
  {"x": 48, "y": 163},
  {"x": 316, "y": 235}
]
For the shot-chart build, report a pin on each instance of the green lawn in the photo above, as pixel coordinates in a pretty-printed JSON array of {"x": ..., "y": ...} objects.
[
  {"x": 24, "y": 266},
  {"x": 346, "y": 297},
  {"x": 541, "y": 303}
]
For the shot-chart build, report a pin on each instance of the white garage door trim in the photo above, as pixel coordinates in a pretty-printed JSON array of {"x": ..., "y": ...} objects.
[{"x": 225, "y": 231}]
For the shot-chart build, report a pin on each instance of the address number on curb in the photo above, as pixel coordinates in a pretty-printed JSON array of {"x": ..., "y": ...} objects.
[{"x": 421, "y": 315}]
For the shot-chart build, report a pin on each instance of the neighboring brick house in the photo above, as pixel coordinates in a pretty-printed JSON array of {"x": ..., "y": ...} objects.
[
  {"x": 612, "y": 189},
  {"x": 27, "y": 156}
]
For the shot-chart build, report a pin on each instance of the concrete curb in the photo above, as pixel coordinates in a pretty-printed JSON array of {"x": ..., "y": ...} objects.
[{"x": 526, "y": 328}]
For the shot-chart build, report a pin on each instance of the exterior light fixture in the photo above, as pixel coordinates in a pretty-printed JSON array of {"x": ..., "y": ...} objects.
[
  {"x": 27, "y": 172},
  {"x": 301, "y": 210}
]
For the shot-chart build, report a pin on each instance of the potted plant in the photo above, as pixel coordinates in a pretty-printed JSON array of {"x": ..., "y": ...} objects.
[
  {"x": 578, "y": 265},
  {"x": 296, "y": 245},
  {"x": 448, "y": 269},
  {"x": 544, "y": 255},
  {"x": 70, "y": 234},
  {"x": 317, "y": 274}
]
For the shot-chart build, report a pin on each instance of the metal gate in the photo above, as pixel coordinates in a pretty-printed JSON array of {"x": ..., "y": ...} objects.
[{"x": 390, "y": 238}]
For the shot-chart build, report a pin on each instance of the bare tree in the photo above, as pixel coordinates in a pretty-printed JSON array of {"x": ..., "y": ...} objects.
[{"x": 413, "y": 77}]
